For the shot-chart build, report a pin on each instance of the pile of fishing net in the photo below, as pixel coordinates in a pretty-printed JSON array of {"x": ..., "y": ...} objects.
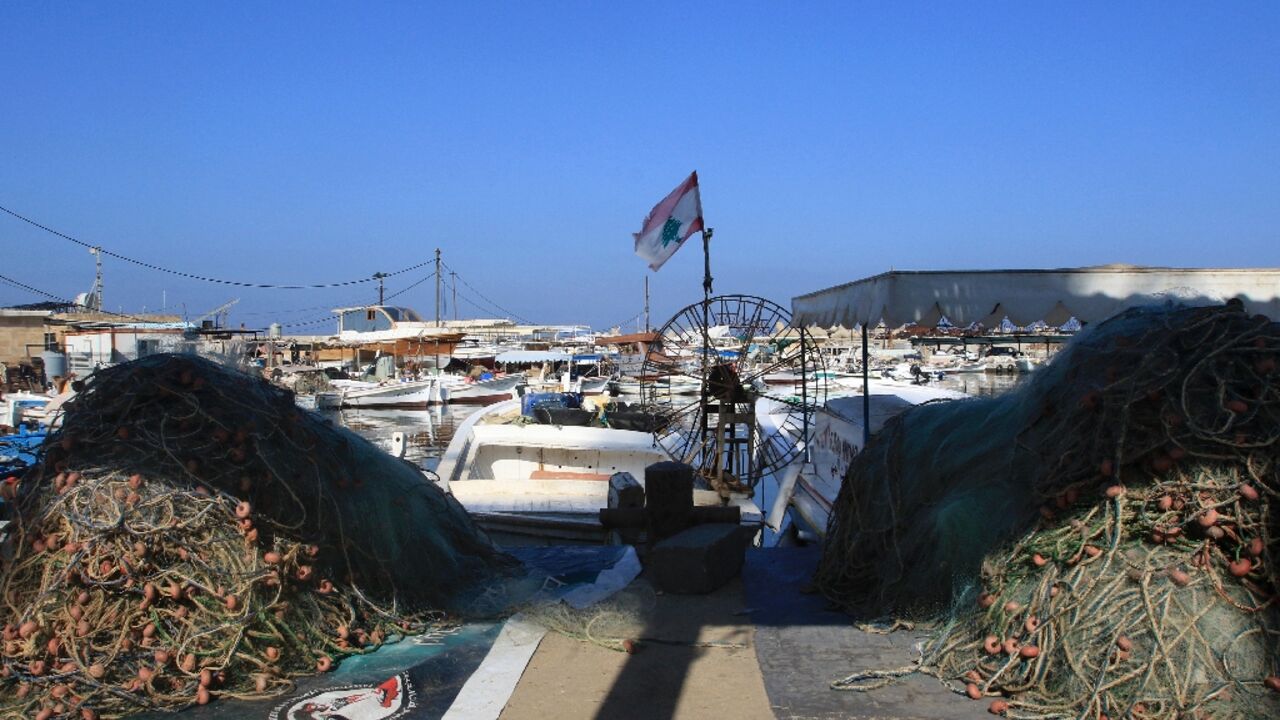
[
  {"x": 191, "y": 534},
  {"x": 1100, "y": 542}
]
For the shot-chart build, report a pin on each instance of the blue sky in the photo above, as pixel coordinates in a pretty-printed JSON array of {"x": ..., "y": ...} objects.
[{"x": 301, "y": 143}]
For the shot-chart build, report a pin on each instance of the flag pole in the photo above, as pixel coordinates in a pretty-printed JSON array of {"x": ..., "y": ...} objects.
[
  {"x": 706, "y": 344},
  {"x": 706, "y": 294}
]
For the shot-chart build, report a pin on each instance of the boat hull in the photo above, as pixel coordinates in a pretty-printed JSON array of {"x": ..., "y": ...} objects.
[
  {"x": 408, "y": 395},
  {"x": 484, "y": 392}
]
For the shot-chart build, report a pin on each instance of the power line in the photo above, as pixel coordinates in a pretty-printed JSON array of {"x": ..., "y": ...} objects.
[
  {"x": 472, "y": 303},
  {"x": 192, "y": 276},
  {"x": 504, "y": 311},
  {"x": 301, "y": 323},
  {"x": 67, "y": 302},
  {"x": 488, "y": 309},
  {"x": 410, "y": 287},
  {"x": 626, "y": 322},
  {"x": 330, "y": 318}
]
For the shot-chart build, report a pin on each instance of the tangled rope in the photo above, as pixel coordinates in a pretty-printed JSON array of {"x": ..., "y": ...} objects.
[
  {"x": 125, "y": 594},
  {"x": 1113, "y": 555}
]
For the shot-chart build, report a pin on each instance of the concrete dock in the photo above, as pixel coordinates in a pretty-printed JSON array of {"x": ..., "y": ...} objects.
[{"x": 760, "y": 647}]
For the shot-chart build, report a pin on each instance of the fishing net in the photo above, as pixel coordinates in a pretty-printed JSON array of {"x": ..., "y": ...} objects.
[
  {"x": 618, "y": 623},
  {"x": 1097, "y": 543},
  {"x": 191, "y": 534}
]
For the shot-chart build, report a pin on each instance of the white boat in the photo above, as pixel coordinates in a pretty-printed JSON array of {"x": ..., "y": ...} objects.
[
  {"x": 391, "y": 393},
  {"x": 462, "y": 390},
  {"x": 811, "y": 488},
  {"x": 323, "y": 400},
  {"x": 628, "y": 386},
  {"x": 374, "y": 324},
  {"x": 547, "y": 482},
  {"x": 594, "y": 385},
  {"x": 18, "y": 407}
]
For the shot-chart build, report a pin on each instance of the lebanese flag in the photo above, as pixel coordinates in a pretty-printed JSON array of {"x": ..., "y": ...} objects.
[{"x": 670, "y": 223}]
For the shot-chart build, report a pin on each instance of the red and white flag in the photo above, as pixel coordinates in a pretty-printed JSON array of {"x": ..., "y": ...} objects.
[{"x": 670, "y": 223}]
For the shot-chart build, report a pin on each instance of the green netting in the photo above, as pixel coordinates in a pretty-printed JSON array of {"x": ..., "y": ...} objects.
[
  {"x": 1097, "y": 542},
  {"x": 190, "y": 533}
]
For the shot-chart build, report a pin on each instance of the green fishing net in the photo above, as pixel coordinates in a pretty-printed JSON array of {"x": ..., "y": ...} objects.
[{"x": 1098, "y": 542}]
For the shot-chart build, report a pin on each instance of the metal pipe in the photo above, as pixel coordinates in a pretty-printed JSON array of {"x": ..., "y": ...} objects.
[{"x": 866, "y": 390}]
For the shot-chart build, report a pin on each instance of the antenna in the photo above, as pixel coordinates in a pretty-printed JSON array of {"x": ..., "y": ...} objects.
[{"x": 94, "y": 300}]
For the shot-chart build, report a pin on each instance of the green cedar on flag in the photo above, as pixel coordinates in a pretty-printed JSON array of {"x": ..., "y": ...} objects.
[{"x": 670, "y": 223}]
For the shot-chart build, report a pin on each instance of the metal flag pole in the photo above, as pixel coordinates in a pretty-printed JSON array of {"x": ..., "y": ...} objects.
[
  {"x": 706, "y": 284},
  {"x": 706, "y": 343}
]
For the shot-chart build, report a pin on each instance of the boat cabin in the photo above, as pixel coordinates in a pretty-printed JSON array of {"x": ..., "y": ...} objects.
[{"x": 373, "y": 318}]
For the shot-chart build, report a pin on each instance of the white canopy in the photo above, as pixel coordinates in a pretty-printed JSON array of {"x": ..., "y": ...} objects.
[
  {"x": 532, "y": 356},
  {"x": 1025, "y": 296}
]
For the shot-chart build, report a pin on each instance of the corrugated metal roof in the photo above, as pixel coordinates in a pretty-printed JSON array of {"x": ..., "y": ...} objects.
[{"x": 1025, "y": 296}]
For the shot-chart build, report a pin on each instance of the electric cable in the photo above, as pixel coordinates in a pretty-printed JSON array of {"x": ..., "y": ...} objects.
[{"x": 203, "y": 278}]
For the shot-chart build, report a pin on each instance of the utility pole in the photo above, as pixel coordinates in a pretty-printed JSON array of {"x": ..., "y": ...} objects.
[
  {"x": 437, "y": 287},
  {"x": 453, "y": 280},
  {"x": 380, "y": 276},
  {"x": 646, "y": 303}
]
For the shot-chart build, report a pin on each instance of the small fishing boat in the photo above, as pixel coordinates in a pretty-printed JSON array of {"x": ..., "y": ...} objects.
[
  {"x": 527, "y": 481},
  {"x": 19, "y": 406},
  {"x": 323, "y": 400},
  {"x": 407, "y": 394},
  {"x": 463, "y": 390}
]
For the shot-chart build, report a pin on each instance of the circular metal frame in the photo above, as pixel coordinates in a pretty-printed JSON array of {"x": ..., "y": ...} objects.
[{"x": 735, "y": 387}]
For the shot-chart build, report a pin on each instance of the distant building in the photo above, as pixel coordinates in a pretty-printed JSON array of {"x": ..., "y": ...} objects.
[{"x": 23, "y": 335}]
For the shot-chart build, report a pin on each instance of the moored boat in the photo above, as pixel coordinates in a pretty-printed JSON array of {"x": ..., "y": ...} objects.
[
  {"x": 837, "y": 436},
  {"x": 391, "y": 393},
  {"x": 464, "y": 390},
  {"x": 526, "y": 481}
]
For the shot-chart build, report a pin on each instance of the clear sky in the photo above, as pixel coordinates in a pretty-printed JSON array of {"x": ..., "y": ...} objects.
[{"x": 301, "y": 143}]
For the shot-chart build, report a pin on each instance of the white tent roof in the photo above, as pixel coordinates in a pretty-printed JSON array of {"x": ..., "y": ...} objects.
[
  {"x": 1025, "y": 296},
  {"x": 532, "y": 356}
]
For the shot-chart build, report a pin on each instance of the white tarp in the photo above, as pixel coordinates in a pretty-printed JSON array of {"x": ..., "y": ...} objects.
[
  {"x": 532, "y": 356},
  {"x": 1025, "y": 296}
]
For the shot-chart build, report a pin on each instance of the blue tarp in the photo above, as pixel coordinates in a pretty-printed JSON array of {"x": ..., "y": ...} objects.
[{"x": 17, "y": 451}]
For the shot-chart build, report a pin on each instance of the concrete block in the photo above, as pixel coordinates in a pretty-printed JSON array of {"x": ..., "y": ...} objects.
[{"x": 697, "y": 560}]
